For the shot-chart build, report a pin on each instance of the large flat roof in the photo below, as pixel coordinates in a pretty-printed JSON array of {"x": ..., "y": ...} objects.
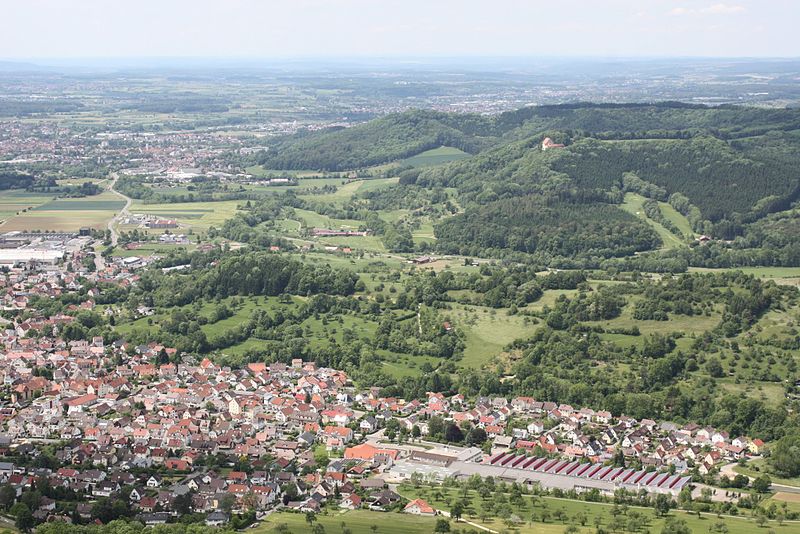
[{"x": 24, "y": 254}]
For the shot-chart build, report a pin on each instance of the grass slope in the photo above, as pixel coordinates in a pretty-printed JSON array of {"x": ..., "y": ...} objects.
[{"x": 633, "y": 204}]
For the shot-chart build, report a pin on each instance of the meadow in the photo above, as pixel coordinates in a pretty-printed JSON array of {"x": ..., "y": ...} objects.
[
  {"x": 633, "y": 204},
  {"x": 487, "y": 331},
  {"x": 435, "y": 156},
  {"x": 532, "y": 511},
  {"x": 195, "y": 215},
  {"x": 356, "y": 521}
]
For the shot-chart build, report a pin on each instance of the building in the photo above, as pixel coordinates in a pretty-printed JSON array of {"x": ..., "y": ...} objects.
[
  {"x": 163, "y": 223},
  {"x": 419, "y": 507},
  {"x": 548, "y": 143},
  {"x": 19, "y": 256}
]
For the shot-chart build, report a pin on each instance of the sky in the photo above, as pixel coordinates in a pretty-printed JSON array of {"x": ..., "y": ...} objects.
[{"x": 398, "y": 28}]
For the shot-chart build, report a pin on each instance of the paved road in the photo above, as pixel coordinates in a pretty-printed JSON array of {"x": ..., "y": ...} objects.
[
  {"x": 118, "y": 216},
  {"x": 729, "y": 471}
]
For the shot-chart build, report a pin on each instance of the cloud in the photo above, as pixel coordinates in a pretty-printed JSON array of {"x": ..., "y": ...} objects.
[
  {"x": 714, "y": 9},
  {"x": 722, "y": 9}
]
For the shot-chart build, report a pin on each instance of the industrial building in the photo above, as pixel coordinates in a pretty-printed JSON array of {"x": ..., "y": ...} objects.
[{"x": 19, "y": 256}]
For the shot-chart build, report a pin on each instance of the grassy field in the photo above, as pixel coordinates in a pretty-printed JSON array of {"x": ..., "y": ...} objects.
[
  {"x": 770, "y": 392},
  {"x": 258, "y": 170},
  {"x": 357, "y": 521},
  {"x": 13, "y": 201},
  {"x": 790, "y": 500},
  {"x": 206, "y": 308},
  {"x": 755, "y": 468},
  {"x": 68, "y": 214},
  {"x": 196, "y": 215},
  {"x": 151, "y": 249},
  {"x": 487, "y": 332},
  {"x": 440, "y": 498},
  {"x": 780, "y": 275},
  {"x": 678, "y": 219},
  {"x": 633, "y": 204},
  {"x": 685, "y": 324},
  {"x": 436, "y": 156}
]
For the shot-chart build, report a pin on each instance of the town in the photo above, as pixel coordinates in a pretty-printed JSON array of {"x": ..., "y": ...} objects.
[{"x": 90, "y": 421}]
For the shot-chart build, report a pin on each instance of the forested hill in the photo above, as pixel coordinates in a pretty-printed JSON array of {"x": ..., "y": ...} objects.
[
  {"x": 380, "y": 141},
  {"x": 405, "y": 134},
  {"x": 724, "y": 170}
]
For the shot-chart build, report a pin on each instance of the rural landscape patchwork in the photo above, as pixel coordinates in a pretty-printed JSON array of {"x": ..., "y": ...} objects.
[{"x": 512, "y": 295}]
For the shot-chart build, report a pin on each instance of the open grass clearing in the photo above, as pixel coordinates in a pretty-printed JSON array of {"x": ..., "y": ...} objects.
[
  {"x": 633, "y": 204},
  {"x": 757, "y": 467},
  {"x": 487, "y": 331},
  {"x": 435, "y": 156},
  {"x": 152, "y": 249},
  {"x": 780, "y": 275},
  {"x": 771, "y": 393}
]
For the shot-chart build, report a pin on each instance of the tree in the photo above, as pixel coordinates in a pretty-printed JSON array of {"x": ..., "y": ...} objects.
[
  {"x": 442, "y": 525},
  {"x": 436, "y": 426},
  {"x": 456, "y": 510},
  {"x": 714, "y": 367},
  {"x": 24, "y": 520},
  {"x": 454, "y": 433},
  {"x": 476, "y": 436},
  {"x": 720, "y": 527},
  {"x": 661, "y": 504},
  {"x": 182, "y": 504},
  {"x": 7, "y": 496},
  {"x": 227, "y": 502},
  {"x": 785, "y": 457},
  {"x": 762, "y": 484},
  {"x": 674, "y": 525}
]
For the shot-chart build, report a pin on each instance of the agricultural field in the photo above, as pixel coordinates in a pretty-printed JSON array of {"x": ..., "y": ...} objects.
[
  {"x": 199, "y": 216},
  {"x": 68, "y": 214},
  {"x": 14, "y": 201}
]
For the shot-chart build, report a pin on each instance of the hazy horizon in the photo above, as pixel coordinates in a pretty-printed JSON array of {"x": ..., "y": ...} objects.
[{"x": 250, "y": 30}]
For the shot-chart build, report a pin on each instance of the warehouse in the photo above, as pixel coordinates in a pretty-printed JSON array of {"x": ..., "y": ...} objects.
[{"x": 569, "y": 474}]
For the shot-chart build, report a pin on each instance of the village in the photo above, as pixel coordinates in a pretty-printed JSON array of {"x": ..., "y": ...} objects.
[{"x": 149, "y": 425}]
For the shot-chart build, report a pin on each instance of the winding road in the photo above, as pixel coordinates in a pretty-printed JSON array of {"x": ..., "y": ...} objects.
[{"x": 729, "y": 471}]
